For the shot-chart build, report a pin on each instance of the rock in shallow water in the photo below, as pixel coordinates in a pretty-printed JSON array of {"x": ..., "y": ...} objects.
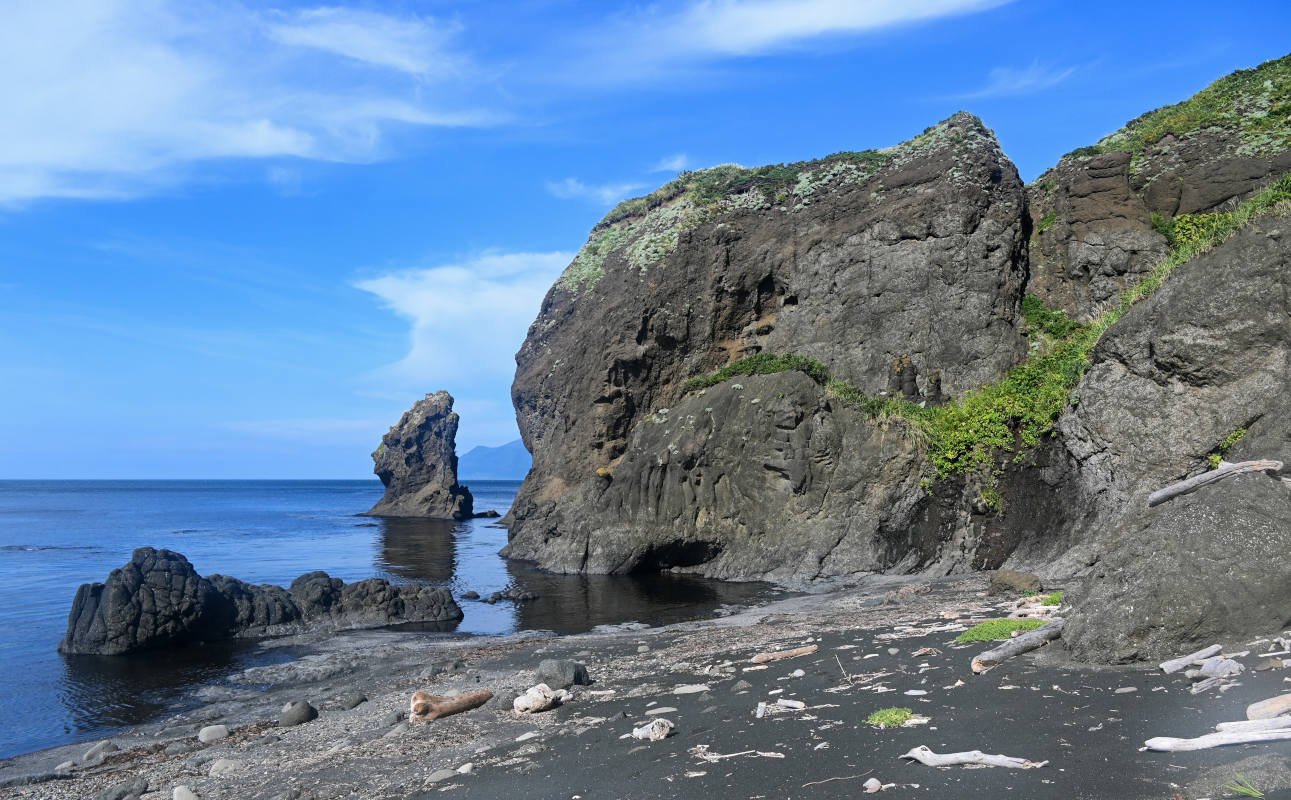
[{"x": 158, "y": 599}]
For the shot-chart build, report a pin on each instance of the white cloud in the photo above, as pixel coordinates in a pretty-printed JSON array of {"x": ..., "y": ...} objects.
[
  {"x": 672, "y": 163},
  {"x": 416, "y": 46},
  {"x": 655, "y": 41},
  {"x": 1007, "y": 81},
  {"x": 115, "y": 98},
  {"x": 606, "y": 194},
  {"x": 468, "y": 319}
]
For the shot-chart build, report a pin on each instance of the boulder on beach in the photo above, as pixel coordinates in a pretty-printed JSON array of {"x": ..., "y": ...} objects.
[{"x": 158, "y": 599}]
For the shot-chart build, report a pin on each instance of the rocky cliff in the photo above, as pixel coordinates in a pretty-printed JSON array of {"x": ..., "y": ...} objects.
[
  {"x": 417, "y": 463},
  {"x": 902, "y": 270},
  {"x": 157, "y": 599},
  {"x": 904, "y": 360}
]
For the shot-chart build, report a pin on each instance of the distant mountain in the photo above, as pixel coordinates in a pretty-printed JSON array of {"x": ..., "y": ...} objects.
[{"x": 508, "y": 462}]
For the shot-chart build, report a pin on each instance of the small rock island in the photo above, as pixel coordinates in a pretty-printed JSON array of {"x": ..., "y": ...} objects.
[{"x": 417, "y": 462}]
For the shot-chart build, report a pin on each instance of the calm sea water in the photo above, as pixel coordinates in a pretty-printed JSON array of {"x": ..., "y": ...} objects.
[{"x": 56, "y": 535}]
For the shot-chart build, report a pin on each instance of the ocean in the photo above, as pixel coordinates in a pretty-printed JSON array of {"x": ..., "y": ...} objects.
[{"x": 56, "y": 535}]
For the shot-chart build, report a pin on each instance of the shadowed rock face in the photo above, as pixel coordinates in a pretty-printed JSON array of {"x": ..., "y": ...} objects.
[
  {"x": 158, "y": 599},
  {"x": 417, "y": 462},
  {"x": 915, "y": 257}
]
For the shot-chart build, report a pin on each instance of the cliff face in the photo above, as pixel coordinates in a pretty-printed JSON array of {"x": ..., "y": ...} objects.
[
  {"x": 1093, "y": 212},
  {"x": 417, "y": 462},
  {"x": 967, "y": 373},
  {"x": 913, "y": 256}
]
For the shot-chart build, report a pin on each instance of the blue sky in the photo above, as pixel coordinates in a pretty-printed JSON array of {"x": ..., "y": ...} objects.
[{"x": 238, "y": 240}]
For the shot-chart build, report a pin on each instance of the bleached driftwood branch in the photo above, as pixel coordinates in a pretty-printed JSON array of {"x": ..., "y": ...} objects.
[
  {"x": 1019, "y": 644},
  {"x": 1176, "y": 664},
  {"x": 424, "y": 707},
  {"x": 762, "y": 658},
  {"x": 1272, "y": 724},
  {"x": 1169, "y": 744},
  {"x": 1194, "y": 483},
  {"x": 1267, "y": 709},
  {"x": 928, "y": 758}
]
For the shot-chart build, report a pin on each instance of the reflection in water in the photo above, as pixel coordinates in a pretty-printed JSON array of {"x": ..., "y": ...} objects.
[
  {"x": 100, "y": 693},
  {"x": 418, "y": 549},
  {"x": 577, "y": 603}
]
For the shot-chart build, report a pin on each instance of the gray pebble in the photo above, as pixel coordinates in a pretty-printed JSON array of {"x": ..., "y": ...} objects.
[
  {"x": 442, "y": 775},
  {"x": 296, "y": 712},
  {"x": 402, "y": 727},
  {"x": 354, "y": 700},
  {"x": 224, "y": 766},
  {"x": 133, "y": 787},
  {"x": 892, "y": 651},
  {"x": 212, "y": 733},
  {"x": 184, "y": 793},
  {"x": 98, "y": 751},
  {"x": 740, "y": 686},
  {"x": 65, "y": 767},
  {"x": 176, "y": 748},
  {"x": 643, "y": 648},
  {"x": 393, "y": 718}
]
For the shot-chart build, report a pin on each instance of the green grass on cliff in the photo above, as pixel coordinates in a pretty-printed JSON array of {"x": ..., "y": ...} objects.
[
  {"x": 969, "y": 434},
  {"x": 1255, "y": 102}
]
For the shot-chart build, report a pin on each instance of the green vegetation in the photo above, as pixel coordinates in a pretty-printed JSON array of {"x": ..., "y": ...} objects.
[
  {"x": 589, "y": 265},
  {"x": 1243, "y": 787},
  {"x": 1013, "y": 414},
  {"x": 1222, "y": 450},
  {"x": 1046, "y": 221},
  {"x": 1054, "y": 599},
  {"x": 708, "y": 186},
  {"x": 1045, "y": 320},
  {"x": 761, "y": 364},
  {"x": 1254, "y": 102},
  {"x": 889, "y": 717},
  {"x": 995, "y": 629}
]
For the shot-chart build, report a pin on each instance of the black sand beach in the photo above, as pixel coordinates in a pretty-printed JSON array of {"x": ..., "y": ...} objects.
[{"x": 1036, "y": 706}]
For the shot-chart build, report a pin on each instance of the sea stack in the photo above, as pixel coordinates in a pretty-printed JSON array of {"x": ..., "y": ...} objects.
[{"x": 417, "y": 462}]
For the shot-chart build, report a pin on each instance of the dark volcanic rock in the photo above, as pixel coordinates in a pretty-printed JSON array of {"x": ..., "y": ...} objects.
[
  {"x": 417, "y": 462},
  {"x": 297, "y": 712},
  {"x": 1093, "y": 234},
  {"x": 158, "y": 599},
  {"x": 1011, "y": 580},
  {"x": 913, "y": 257},
  {"x": 561, "y": 673}
]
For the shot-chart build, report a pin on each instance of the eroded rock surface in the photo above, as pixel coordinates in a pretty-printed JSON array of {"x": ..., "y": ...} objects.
[
  {"x": 417, "y": 463},
  {"x": 911, "y": 256},
  {"x": 158, "y": 599}
]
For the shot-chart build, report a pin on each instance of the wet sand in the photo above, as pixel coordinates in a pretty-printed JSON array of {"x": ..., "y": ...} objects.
[{"x": 1036, "y": 706}]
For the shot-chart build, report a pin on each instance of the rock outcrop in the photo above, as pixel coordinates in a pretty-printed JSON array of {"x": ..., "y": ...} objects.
[
  {"x": 158, "y": 599},
  {"x": 909, "y": 261},
  {"x": 902, "y": 272},
  {"x": 417, "y": 463},
  {"x": 1094, "y": 232}
]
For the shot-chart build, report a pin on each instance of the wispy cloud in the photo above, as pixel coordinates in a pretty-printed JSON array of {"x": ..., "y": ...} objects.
[
  {"x": 468, "y": 318},
  {"x": 413, "y": 45},
  {"x": 672, "y": 163},
  {"x": 116, "y": 98},
  {"x": 658, "y": 40},
  {"x": 1008, "y": 81},
  {"x": 606, "y": 194}
]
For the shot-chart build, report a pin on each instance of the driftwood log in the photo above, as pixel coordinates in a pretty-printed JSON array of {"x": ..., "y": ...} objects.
[
  {"x": 1271, "y": 724},
  {"x": 425, "y": 707},
  {"x": 1267, "y": 709},
  {"x": 928, "y": 758},
  {"x": 1176, "y": 664},
  {"x": 1018, "y": 644},
  {"x": 1169, "y": 744},
  {"x": 762, "y": 658},
  {"x": 1225, "y": 470}
]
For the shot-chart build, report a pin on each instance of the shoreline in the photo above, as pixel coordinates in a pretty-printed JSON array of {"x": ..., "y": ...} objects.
[{"x": 1037, "y": 706}]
